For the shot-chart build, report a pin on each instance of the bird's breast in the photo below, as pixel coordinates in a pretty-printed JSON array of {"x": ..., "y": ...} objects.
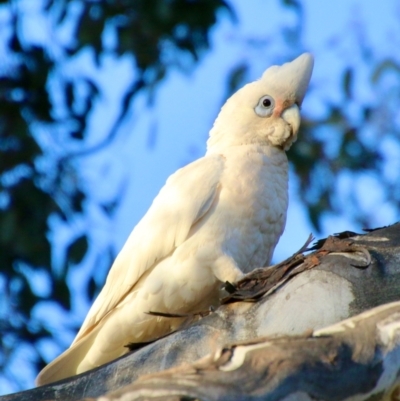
[{"x": 252, "y": 204}]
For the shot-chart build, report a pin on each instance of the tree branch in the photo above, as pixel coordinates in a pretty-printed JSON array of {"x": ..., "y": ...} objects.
[
  {"x": 272, "y": 358},
  {"x": 359, "y": 356}
]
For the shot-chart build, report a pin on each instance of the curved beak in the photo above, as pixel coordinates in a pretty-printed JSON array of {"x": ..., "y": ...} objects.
[{"x": 292, "y": 116}]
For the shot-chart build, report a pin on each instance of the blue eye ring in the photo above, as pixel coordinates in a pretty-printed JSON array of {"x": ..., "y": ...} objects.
[{"x": 265, "y": 106}]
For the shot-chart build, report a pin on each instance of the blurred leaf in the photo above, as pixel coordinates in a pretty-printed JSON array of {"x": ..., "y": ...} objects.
[
  {"x": 69, "y": 94},
  {"x": 292, "y": 3},
  {"x": 383, "y": 67},
  {"x": 90, "y": 28},
  {"x": 110, "y": 207},
  {"x": 61, "y": 293},
  {"x": 26, "y": 298},
  {"x": 237, "y": 78},
  {"x": 76, "y": 251},
  {"x": 92, "y": 288},
  {"x": 348, "y": 82}
]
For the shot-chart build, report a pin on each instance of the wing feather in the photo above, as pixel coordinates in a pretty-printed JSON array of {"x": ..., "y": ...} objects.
[{"x": 185, "y": 198}]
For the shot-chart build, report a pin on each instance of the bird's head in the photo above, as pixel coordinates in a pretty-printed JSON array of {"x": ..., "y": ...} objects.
[{"x": 267, "y": 111}]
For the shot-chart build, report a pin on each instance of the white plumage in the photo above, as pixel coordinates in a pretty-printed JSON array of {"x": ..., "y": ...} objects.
[{"x": 215, "y": 219}]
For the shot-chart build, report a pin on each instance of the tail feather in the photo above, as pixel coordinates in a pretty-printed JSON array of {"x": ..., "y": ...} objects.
[{"x": 66, "y": 364}]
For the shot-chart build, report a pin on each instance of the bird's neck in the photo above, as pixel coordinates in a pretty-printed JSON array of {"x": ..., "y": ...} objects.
[
  {"x": 272, "y": 152},
  {"x": 241, "y": 134}
]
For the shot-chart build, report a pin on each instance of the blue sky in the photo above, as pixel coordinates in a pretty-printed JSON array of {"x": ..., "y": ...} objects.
[{"x": 154, "y": 141}]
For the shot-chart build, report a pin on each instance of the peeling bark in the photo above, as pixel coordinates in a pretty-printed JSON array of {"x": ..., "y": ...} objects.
[
  {"x": 358, "y": 357},
  {"x": 343, "y": 276}
]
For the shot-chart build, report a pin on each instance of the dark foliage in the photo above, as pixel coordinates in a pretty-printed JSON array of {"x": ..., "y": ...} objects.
[{"x": 37, "y": 182}]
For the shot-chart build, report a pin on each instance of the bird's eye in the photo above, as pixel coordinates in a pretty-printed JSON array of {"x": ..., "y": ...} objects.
[
  {"x": 267, "y": 102},
  {"x": 265, "y": 106}
]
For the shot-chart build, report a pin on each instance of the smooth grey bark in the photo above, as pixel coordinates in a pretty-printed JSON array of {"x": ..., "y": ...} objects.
[
  {"x": 356, "y": 359},
  {"x": 345, "y": 276}
]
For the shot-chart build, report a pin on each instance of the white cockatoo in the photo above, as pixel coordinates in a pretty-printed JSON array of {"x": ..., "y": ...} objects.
[{"x": 214, "y": 220}]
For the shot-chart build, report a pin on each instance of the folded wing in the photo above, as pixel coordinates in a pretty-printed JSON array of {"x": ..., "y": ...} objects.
[{"x": 185, "y": 198}]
